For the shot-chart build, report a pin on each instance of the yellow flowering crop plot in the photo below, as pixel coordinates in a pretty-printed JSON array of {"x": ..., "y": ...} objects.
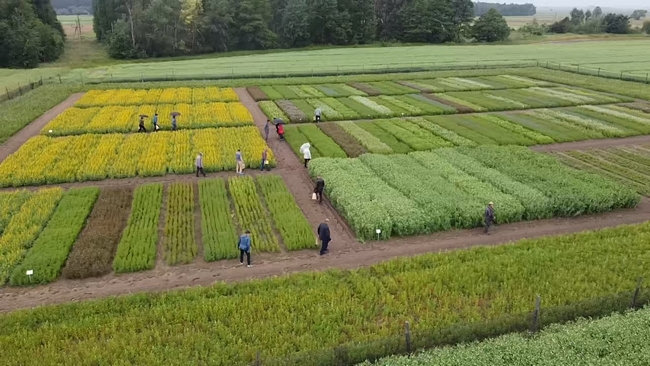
[
  {"x": 112, "y": 119},
  {"x": 95, "y": 166},
  {"x": 44, "y": 159},
  {"x": 124, "y": 119},
  {"x": 71, "y": 122},
  {"x": 179, "y": 153},
  {"x": 24, "y": 226},
  {"x": 126, "y": 97},
  {"x": 66, "y": 170}
]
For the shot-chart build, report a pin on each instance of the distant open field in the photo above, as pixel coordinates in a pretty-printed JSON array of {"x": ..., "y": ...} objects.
[
  {"x": 629, "y": 56},
  {"x": 549, "y": 18}
]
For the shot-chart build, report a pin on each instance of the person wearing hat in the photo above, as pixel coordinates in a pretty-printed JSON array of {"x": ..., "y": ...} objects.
[
  {"x": 323, "y": 232},
  {"x": 199, "y": 165},
  {"x": 489, "y": 217},
  {"x": 155, "y": 123}
]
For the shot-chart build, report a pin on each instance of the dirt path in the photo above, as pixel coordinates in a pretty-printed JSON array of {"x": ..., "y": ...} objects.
[
  {"x": 204, "y": 274},
  {"x": 593, "y": 144},
  {"x": 16, "y": 141},
  {"x": 298, "y": 180}
]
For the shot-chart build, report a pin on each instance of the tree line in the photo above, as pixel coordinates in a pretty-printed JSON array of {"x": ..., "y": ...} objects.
[
  {"x": 155, "y": 28},
  {"x": 504, "y": 9},
  {"x": 29, "y": 33}
]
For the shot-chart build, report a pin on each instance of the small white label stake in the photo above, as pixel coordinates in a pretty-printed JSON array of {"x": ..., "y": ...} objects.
[
  {"x": 378, "y": 231},
  {"x": 29, "y": 273}
]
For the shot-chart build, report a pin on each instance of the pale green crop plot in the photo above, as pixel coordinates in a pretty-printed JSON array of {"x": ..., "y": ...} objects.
[
  {"x": 11, "y": 79},
  {"x": 629, "y": 56}
]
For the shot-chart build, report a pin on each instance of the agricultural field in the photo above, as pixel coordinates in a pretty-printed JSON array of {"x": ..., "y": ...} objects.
[
  {"x": 420, "y": 103},
  {"x": 391, "y": 192},
  {"x": 374, "y": 88},
  {"x": 89, "y": 232},
  {"x": 361, "y": 312},
  {"x": 524, "y": 128},
  {"x": 628, "y": 165},
  {"x": 49, "y": 160},
  {"x": 616, "y": 339}
]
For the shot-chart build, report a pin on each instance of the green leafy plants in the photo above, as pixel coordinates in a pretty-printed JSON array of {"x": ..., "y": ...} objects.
[
  {"x": 365, "y": 138},
  {"x": 219, "y": 232},
  {"x": 271, "y": 92},
  {"x": 272, "y": 111},
  {"x": 50, "y": 250},
  {"x": 461, "y": 298},
  {"x": 179, "y": 243},
  {"x": 251, "y": 214},
  {"x": 24, "y": 227},
  {"x": 293, "y": 113},
  {"x": 289, "y": 220},
  {"x": 10, "y": 203},
  {"x": 323, "y": 144},
  {"x": 93, "y": 252},
  {"x": 349, "y": 144},
  {"x": 136, "y": 250}
]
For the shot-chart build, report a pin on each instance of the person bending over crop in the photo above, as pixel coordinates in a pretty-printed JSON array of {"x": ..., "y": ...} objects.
[
  {"x": 199, "y": 165},
  {"x": 320, "y": 186},
  {"x": 323, "y": 232},
  {"x": 244, "y": 246},
  {"x": 489, "y": 217}
]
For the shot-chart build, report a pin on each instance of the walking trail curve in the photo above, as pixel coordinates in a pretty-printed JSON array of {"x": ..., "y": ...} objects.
[{"x": 346, "y": 252}]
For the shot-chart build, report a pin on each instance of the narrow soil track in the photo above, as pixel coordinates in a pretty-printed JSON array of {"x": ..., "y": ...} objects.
[
  {"x": 16, "y": 141},
  {"x": 593, "y": 144},
  {"x": 204, "y": 274}
]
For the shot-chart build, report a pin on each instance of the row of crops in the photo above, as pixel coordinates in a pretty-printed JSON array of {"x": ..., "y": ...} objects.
[
  {"x": 276, "y": 92},
  {"x": 123, "y": 119},
  {"x": 628, "y": 165},
  {"x": 122, "y": 97},
  {"x": 524, "y": 128},
  {"x": 51, "y": 160},
  {"x": 423, "y": 192},
  {"x": 85, "y": 232},
  {"x": 382, "y": 106},
  {"x": 618, "y": 339},
  {"x": 452, "y": 297}
]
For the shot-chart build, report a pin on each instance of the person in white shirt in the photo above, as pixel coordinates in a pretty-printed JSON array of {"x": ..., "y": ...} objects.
[
  {"x": 317, "y": 113},
  {"x": 306, "y": 153}
]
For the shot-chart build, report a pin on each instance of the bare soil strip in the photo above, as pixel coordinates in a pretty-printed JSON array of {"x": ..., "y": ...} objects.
[{"x": 16, "y": 141}]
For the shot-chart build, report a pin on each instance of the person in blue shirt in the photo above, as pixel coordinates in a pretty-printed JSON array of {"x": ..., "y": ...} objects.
[
  {"x": 244, "y": 246},
  {"x": 155, "y": 122}
]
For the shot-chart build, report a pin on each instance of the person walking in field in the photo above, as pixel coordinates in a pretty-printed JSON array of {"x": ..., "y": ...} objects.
[
  {"x": 266, "y": 130},
  {"x": 244, "y": 246},
  {"x": 489, "y": 218},
  {"x": 199, "y": 165},
  {"x": 320, "y": 186},
  {"x": 174, "y": 124},
  {"x": 281, "y": 131},
  {"x": 317, "y": 114},
  {"x": 323, "y": 232},
  {"x": 239, "y": 161},
  {"x": 306, "y": 153},
  {"x": 265, "y": 161},
  {"x": 141, "y": 125},
  {"x": 155, "y": 122}
]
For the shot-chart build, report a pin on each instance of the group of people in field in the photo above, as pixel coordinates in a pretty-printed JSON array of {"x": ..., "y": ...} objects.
[{"x": 155, "y": 125}]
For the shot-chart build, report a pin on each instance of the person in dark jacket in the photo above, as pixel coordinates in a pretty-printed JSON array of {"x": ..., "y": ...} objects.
[
  {"x": 320, "y": 186},
  {"x": 265, "y": 161},
  {"x": 324, "y": 236},
  {"x": 489, "y": 218},
  {"x": 244, "y": 246},
  {"x": 141, "y": 125},
  {"x": 266, "y": 130}
]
